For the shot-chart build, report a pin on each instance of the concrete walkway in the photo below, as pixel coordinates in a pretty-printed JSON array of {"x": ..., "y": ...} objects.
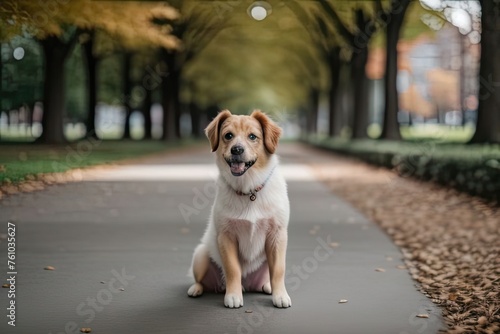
[{"x": 121, "y": 244}]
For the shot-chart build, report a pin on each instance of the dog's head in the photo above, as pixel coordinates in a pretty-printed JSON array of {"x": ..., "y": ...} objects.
[{"x": 243, "y": 141}]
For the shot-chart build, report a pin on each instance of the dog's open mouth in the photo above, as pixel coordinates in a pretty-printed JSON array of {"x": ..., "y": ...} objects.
[{"x": 239, "y": 167}]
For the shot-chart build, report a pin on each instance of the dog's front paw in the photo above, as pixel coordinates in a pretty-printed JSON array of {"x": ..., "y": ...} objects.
[
  {"x": 233, "y": 300},
  {"x": 282, "y": 300},
  {"x": 195, "y": 290}
]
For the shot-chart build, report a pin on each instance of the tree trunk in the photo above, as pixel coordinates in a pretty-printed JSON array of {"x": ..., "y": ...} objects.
[
  {"x": 27, "y": 119},
  {"x": 312, "y": 124},
  {"x": 55, "y": 53},
  {"x": 127, "y": 93},
  {"x": 488, "y": 118},
  {"x": 88, "y": 48},
  {"x": 334, "y": 114},
  {"x": 360, "y": 93},
  {"x": 31, "y": 111},
  {"x": 167, "y": 101},
  {"x": 195, "y": 113},
  {"x": 146, "y": 112},
  {"x": 390, "y": 125},
  {"x": 176, "y": 76},
  {"x": 1, "y": 87},
  {"x": 212, "y": 112}
]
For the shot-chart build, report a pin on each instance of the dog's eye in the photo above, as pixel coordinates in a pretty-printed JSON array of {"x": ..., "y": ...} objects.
[
  {"x": 252, "y": 136},
  {"x": 228, "y": 136}
]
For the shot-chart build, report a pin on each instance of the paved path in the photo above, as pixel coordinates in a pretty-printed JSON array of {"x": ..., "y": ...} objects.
[{"x": 105, "y": 233}]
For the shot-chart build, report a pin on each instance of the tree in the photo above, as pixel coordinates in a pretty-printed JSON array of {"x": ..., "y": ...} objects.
[
  {"x": 127, "y": 92},
  {"x": 357, "y": 37},
  {"x": 92, "y": 82},
  {"x": 325, "y": 40},
  {"x": 196, "y": 29},
  {"x": 394, "y": 18},
  {"x": 253, "y": 64},
  {"x": 53, "y": 24},
  {"x": 56, "y": 52},
  {"x": 488, "y": 117},
  {"x": 146, "y": 112}
]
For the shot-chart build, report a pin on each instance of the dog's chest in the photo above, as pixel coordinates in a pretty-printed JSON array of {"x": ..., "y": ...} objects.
[{"x": 251, "y": 236}]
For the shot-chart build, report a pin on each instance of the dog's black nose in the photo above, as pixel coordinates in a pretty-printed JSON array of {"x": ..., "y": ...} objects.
[{"x": 237, "y": 150}]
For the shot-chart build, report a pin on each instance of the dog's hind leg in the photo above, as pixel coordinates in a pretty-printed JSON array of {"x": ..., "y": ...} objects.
[
  {"x": 259, "y": 280},
  {"x": 266, "y": 288},
  {"x": 200, "y": 265}
]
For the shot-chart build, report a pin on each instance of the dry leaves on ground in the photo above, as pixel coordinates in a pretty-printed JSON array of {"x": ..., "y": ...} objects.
[{"x": 450, "y": 241}]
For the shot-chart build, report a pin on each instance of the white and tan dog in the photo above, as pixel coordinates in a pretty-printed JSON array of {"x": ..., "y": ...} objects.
[{"x": 244, "y": 245}]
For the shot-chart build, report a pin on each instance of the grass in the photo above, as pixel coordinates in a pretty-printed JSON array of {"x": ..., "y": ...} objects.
[
  {"x": 429, "y": 148},
  {"x": 436, "y": 132},
  {"x": 19, "y": 161},
  {"x": 432, "y": 132}
]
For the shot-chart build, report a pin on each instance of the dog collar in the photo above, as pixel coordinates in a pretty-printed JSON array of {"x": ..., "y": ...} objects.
[{"x": 252, "y": 193}]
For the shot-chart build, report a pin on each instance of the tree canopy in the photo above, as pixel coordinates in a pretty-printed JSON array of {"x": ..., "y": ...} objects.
[{"x": 129, "y": 22}]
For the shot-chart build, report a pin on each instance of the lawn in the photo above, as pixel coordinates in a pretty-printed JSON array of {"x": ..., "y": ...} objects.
[{"x": 19, "y": 161}]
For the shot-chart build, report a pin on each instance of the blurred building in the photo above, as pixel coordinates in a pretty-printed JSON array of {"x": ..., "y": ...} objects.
[{"x": 437, "y": 78}]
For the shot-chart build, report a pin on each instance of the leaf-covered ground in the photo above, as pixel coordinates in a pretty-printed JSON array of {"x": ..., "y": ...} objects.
[{"x": 450, "y": 241}]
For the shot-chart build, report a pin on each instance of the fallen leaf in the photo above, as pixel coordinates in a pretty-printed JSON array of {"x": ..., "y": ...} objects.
[
  {"x": 380, "y": 270},
  {"x": 334, "y": 244},
  {"x": 6, "y": 285},
  {"x": 248, "y": 311},
  {"x": 49, "y": 268},
  {"x": 423, "y": 315},
  {"x": 85, "y": 329}
]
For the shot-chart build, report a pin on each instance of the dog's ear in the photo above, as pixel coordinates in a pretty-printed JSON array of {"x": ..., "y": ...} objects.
[
  {"x": 271, "y": 131},
  {"x": 212, "y": 130}
]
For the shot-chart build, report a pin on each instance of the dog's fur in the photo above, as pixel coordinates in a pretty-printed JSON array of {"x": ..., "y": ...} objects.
[{"x": 244, "y": 245}]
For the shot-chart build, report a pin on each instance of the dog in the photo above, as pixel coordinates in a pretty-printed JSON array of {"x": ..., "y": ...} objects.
[{"x": 244, "y": 245}]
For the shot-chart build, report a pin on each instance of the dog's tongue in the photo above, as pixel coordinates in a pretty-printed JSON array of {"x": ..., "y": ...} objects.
[{"x": 237, "y": 167}]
